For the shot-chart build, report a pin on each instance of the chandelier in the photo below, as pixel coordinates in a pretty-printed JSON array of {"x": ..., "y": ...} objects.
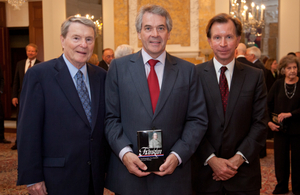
[
  {"x": 16, "y": 3},
  {"x": 97, "y": 22},
  {"x": 251, "y": 16}
]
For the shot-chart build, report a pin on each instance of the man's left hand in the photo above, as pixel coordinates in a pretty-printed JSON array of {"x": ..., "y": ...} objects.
[{"x": 168, "y": 166}]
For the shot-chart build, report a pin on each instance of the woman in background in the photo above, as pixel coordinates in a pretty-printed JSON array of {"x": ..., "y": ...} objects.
[
  {"x": 271, "y": 75},
  {"x": 284, "y": 100}
]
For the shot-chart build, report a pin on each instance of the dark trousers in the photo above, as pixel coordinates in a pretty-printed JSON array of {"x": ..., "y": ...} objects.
[
  {"x": 91, "y": 185},
  {"x": 1, "y": 121},
  {"x": 282, "y": 145}
]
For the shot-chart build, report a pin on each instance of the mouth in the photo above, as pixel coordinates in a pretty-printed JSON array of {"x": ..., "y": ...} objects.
[
  {"x": 155, "y": 42},
  {"x": 81, "y": 52}
]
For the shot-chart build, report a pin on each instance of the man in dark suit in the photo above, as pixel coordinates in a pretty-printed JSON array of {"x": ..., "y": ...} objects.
[
  {"x": 21, "y": 68},
  {"x": 61, "y": 142},
  {"x": 178, "y": 109},
  {"x": 107, "y": 57},
  {"x": 2, "y": 139},
  {"x": 240, "y": 53},
  {"x": 227, "y": 160}
]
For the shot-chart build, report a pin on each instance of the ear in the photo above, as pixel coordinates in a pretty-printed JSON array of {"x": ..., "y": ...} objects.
[
  {"x": 169, "y": 34},
  {"x": 62, "y": 41},
  {"x": 139, "y": 36},
  {"x": 209, "y": 42}
]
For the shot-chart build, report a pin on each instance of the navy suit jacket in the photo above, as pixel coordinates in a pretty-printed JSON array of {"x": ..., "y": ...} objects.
[
  {"x": 243, "y": 128},
  {"x": 180, "y": 113},
  {"x": 56, "y": 143}
]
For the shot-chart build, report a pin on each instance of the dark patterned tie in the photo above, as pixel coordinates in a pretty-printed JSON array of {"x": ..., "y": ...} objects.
[
  {"x": 223, "y": 85},
  {"x": 83, "y": 95},
  {"x": 153, "y": 84}
]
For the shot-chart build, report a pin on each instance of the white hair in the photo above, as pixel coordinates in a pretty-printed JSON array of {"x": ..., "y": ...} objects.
[{"x": 123, "y": 50}]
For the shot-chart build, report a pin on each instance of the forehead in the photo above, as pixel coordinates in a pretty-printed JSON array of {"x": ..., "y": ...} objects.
[
  {"x": 30, "y": 48},
  {"x": 153, "y": 19},
  {"x": 291, "y": 64},
  {"x": 223, "y": 28},
  {"x": 77, "y": 28},
  {"x": 108, "y": 52}
]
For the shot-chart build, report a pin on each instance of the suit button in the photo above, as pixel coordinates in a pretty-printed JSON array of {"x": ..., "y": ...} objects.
[{"x": 89, "y": 162}]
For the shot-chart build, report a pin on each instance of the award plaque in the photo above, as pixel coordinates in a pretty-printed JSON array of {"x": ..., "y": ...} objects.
[{"x": 150, "y": 149}]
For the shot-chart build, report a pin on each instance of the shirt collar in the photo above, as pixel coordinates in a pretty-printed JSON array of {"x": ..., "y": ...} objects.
[
  {"x": 218, "y": 65},
  {"x": 73, "y": 70},
  {"x": 147, "y": 57}
]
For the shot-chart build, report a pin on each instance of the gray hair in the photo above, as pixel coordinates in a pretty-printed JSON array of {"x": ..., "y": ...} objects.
[
  {"x": 154, "y": 9},
  {"x": 72, "y": 19},
  {"x": 255, "y": 51},
  {"x": 289, "y": 59},
  {"x": 123, "y": 50}
]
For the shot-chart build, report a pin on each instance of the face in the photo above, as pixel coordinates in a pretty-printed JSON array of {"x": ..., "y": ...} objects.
[
  {"x": 154, "y": 34},
  {"x": 274, "y": 65},
  {"x": 223, "y": 41},
  {"x": 78, "y": 44},
  {"x": 291, "y": 71},
  {"x": 249, "y": 57},
  {"x": 108, "y": 56},
  {"x": 31, "y": 52},
  {"x": 154, "y": 136}
]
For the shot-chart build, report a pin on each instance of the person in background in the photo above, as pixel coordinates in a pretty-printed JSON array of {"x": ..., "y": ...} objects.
[
  {"x": 107, "y": 57},
  {"x": 123, "y": 50},
  {"x": 2, "y": 138},
  {"x": 21, "y": 69},
  {"x": 61, "y": 142},
  {"x": 94, "y": 59},
  {"x": 253, "y": 55},
  {"x": 227, "y": 159},
  {"x": 271, "y": 76},
  {"x": 240, "y": 53},
  {"x": 284, "y": 101}
]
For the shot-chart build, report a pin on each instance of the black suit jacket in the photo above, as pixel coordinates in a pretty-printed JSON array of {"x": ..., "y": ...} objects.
[
  {"x": 56, "y": 142},
  {"x": 180, "y": 113},
  {"x": 243, "y": 128},
  {"x": 260, "y": 65},
  {"x": 103, "y": 65},
  {"x": 19, "y": 76},
  {"x": 245, "y": 61}
]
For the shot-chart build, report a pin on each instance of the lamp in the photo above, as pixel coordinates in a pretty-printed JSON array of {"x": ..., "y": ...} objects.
[
  {"x": 252, "y": 17},
  {"x": 97, "y": 22},
  {"x": 16, "y": 3}
]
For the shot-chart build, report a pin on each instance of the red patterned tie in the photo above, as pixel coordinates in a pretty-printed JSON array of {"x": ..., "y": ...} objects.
[
  {"x": 223, "y": 85},
  {"x": 29, "y": 64},
  {"x": 153, "y": 84}
]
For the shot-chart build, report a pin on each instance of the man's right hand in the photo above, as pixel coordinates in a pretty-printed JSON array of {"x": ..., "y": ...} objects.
[
  {"x": 37, "y": 189},
  {"x": 15, "y": 101},
  {"x": 223, "y": 169},
  {"x": 133, "y": 163}
]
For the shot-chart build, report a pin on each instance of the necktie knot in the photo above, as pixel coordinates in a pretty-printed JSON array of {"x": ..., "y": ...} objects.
[
  {"x": 152, "y": 62},
  {"x": 223, "y": 69}
]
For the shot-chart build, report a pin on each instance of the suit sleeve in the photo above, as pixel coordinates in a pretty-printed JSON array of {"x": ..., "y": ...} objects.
[
  {"x": 30, "y": 131},
  {"x": 256, "y": 138},
  {"x": 113, "y": 126},
  {"x": 196, "y": 121},
  {"x": 16, "y": 84}
]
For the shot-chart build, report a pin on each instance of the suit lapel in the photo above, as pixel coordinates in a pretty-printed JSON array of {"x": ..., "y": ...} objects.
[
  {"x": 169, "y": 78},
  {"x": 213, "y": 88},
  {"x": 139, "y": 78},
  {"x": 237, "y": 82},
  {"x": 95, "y": 95},
  {"x": 66, "y": 83}
]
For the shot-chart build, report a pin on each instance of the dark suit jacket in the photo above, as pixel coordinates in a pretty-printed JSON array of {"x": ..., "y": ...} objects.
[
  {"x": 180, "y": 113},
  {"x": 270, "y": 79},
  {"x": 245, "y": 61},
  {"x": 260, "y": 65},
  {"x": 19, "y": 76},
  {"x": 243, "y": 128},
  {"x": 103, "y": 65},
  {"x": 56, "y": 143}
]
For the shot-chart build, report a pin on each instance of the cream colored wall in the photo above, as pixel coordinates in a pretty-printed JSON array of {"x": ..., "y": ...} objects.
[
  {"x": 17, "y": 18},
  {"x": 54, "y": 13},
  {"x": 108, "y": 24},
  {"x": 289, "y": 27}
]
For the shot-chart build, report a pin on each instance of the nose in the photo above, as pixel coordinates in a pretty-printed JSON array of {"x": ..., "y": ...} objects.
[
  {"x": 83, "y": 43},
  {"x": 154, "y": 32},
  {"x": 223, "y": 42}
]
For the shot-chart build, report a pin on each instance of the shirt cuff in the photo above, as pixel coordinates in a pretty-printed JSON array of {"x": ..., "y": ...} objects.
[
  {"x": 212, "y": 155},
  {"x": 178, "y": 157},
  {"x": 246, "y": 161},
  {"x": 30, "y": 185},
  {"x": 124, "y": 151}
]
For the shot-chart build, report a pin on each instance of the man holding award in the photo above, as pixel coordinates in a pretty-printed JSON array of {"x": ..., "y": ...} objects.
[{"x": 152, "y": 90}]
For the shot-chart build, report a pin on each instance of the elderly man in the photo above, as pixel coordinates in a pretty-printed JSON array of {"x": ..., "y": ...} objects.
[
  {"x": 107, "y": 57},
  {"x": 21, "y": 69},
  {"x": 153, "y": 90},
  {"x": 253, "y": 54},
  {"x": 227, "y": 160},
  {"x": 61, "y": 142},
  {"x": 240, "y": 53}
]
